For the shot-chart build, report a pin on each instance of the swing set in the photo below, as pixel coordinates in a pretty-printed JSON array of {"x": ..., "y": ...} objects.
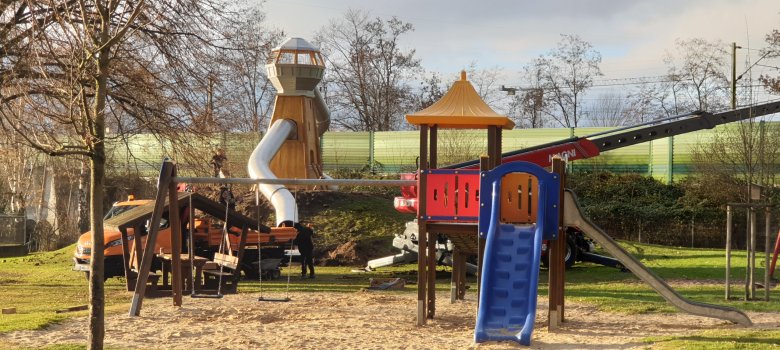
[{"x": 227, "y": 263}]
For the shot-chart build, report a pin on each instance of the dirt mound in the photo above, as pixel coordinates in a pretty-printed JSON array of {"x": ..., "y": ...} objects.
[{"x": 356, "y": 252}]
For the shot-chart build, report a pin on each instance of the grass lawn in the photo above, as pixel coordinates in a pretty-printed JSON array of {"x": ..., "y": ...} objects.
[{"x": 39, "y": 284}]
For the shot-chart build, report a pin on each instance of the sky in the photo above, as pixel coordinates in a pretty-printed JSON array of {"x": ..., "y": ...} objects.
[{"x": 632, "y": 36}]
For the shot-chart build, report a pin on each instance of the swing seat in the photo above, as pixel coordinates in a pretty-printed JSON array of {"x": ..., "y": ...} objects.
[{"x": 226, "y": 260}]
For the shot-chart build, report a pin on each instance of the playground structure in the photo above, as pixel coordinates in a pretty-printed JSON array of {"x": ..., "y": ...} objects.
[
  {"x": 504, "y": 228},
  {"x": 291, "y": 147},
  {"x": 572, "y": 149}
]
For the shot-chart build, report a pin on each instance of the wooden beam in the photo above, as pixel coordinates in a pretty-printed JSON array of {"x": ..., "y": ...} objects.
[
  {"x": 434, "y": 145},
  {"x": 139, "y": 252},
  {"x": 126, "y": 259},
  {"x": 499, "y": 140},
  {"x": 422, "y": 228},
  {"x": 166, "y": 174},
  {"x": 491, "y": 149},
  {"x": 175, "y": 221},
  {"x": 454, "y": 278},
  {"x": 462, "y": 277},
  {"x": 191, "y": 245}
]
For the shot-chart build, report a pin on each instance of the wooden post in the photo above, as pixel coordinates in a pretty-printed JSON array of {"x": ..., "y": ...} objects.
[
  {"x": 557, "y": 270},
  {"x": 484, "y": 164},
  {"x": 499, "y": 140},
  {"x": 432, "y": 242},
  {"x": 166, "y": 173},
  {"x": 422, "y": 228},
  {"x": 767, "y": 233},
  {"x": 175, "y": 221},
  {"x": 491, "y": 148},
  {"x": 728, "y": 251},
  {"x": 191, "y": 244},
  {"x": 433, "y": 155},
  {"x": 455, "y": 278},
  {"x": 240, "y": 260},
  {"x": 126, "y": 259},
  {"x": 432, "y": 236},
  {"x": 752, "y": 255},
  {"x": 139, "y": 252}
]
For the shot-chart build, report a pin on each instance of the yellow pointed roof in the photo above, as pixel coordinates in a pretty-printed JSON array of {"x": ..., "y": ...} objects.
[{"x": 460, "y": 108}]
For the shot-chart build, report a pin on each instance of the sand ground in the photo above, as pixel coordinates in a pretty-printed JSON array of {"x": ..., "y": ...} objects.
[{"x": 361, "y": 320}]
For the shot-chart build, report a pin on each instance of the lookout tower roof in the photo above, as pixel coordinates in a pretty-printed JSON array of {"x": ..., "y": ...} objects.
[
  {"x": 460, "y": 108},
  {"x": 298, "y": 44}
]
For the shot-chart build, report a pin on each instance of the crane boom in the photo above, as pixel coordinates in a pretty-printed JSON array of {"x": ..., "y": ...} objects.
[{"x": 592, "y": 145}]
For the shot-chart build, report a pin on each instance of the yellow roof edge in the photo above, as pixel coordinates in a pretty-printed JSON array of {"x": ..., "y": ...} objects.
[{"x": 461, "y": 122}]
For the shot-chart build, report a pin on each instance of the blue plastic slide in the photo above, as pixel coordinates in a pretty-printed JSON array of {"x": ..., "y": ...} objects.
[
  {"x": 510, "y": 270},
  {"x": 507, "y": 307}
]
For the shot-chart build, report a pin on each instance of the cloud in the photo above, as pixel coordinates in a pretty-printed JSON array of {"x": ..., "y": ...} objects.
[{"x": 631, "y": 35}]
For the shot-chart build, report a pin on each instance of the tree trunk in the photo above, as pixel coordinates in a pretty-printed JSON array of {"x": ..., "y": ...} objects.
[
  {"x": 97, "y": 292},
  {"x": 83, "y": 195},
  {"x": 96, "y": 289}
]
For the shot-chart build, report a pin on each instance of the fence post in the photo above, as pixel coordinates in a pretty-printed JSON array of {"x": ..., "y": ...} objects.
[
  {"x": 670, "y": 162},
  {"x": 767, "y": 233},
  {"x": 371, "y": 151},
  {"x": 650, "y": 159},
  {"x": 569, "y": 165},
  {"x": 728, "y": 251}
]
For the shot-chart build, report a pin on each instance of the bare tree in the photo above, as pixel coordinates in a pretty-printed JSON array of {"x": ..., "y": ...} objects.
[
  {"x": 610, "y": 109},
  {"x": 244, "y": 93},
  {"x": 431, "y": 90},
  {"x": 566, "y": 73},
  {"x": 696, "y": 72},
  {"x": 773, "y": 50},
  {"x": 745, "y": 152},
  {"x": 74, "y": 68},
  {"x": 367, "y": 83},
  {"x": 526, "y": 105},
  {"x": 485, "y": 82}
]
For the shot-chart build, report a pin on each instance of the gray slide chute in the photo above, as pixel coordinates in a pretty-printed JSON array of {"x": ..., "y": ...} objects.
[
  {"x": 573, "y": 217},
  {"x": 258, "y": 168}
]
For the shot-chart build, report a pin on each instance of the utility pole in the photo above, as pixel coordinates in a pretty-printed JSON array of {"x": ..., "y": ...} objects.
[{"x": 734, "y": 48}]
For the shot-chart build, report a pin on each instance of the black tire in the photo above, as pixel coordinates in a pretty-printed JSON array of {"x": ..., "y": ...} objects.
[
  {"x": 250, "y": 271},
  {"x": 571, "y": 254},
  {"x": 569, "y": 259}
]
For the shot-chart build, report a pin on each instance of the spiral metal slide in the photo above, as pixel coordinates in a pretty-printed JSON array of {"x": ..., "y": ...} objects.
[
  {"x": 573, "y": 217},
  {"x": 279, "y": 196}
]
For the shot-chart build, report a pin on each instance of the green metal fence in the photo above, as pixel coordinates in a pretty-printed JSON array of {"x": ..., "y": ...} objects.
[{"x": 397, "y": 151}]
